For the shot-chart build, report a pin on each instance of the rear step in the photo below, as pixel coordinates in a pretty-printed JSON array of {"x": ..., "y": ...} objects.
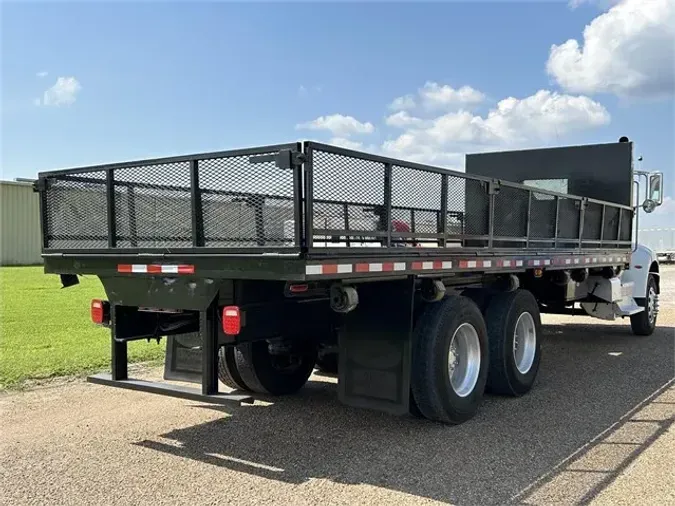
[{"x": 192, "y": 394}]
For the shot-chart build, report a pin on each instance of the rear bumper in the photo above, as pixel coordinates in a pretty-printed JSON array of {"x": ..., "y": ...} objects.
[{"x": 258, "y": 267}]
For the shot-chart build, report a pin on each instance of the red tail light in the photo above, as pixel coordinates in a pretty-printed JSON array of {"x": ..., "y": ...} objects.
[
  {"x": 298, "y": 288},
  {"x": 231, "y": 320},
  {"x": 100, "y": 311}
]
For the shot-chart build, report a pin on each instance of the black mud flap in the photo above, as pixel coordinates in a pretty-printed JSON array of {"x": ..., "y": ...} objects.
[
  {"x": 183, "y": 360},
  {"x": 375, "y": 348}
]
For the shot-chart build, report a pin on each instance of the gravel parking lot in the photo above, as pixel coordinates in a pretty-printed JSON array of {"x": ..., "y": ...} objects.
[{"x": 603, "y": 404}]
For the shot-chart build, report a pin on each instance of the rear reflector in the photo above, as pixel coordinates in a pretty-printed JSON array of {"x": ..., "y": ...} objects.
[
  {"x": 298, "y": 288},
  {"x": 155, "y": 269},
  {"x": 231, "y": 320},
  {"x": 100, "y": 311}
]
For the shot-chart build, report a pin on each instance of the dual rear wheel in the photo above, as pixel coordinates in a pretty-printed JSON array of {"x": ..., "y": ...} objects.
[
  {"x": 459, "y": 353},
  {"x": 254, "y": 367}
]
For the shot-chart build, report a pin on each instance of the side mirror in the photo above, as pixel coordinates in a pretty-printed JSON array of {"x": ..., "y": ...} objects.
[
  {"x": 656, "y": 188},
  {"x": 654, "y": 193}
]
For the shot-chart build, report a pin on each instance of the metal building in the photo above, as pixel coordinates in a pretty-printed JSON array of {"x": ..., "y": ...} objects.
[{"x": 19, "y": 224}]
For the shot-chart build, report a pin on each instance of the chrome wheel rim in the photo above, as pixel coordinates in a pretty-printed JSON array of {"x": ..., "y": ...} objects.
[
  {"x": 524, "y": 343},
  {"x": 464, "y": 359},
  {"x": 651, "y": 305}
]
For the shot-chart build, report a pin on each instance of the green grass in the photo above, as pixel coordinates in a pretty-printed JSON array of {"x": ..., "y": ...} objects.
[{"x": 46, "y": 330}]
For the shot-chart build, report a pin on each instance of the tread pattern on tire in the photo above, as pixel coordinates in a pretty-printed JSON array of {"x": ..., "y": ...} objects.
[
  {"x": 433, "y": 397},
  {"x": 227, "y": 369},
  {"x": 243, "y": 359},
  {"x": 251, "y": 366},
  {"x": 639, "y": 322},
  {"x": 496, "y": 316}
]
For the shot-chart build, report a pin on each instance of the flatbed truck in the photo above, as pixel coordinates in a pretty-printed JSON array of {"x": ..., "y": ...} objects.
[{"x": 420, "y": 287}]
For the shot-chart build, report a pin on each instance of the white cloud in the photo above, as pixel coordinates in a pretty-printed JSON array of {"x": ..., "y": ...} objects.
[
  {"x": 403, "y": 103},
  {"x": 42, "y": 74},
  {"x": 64, "y": 92},
  {"x": 434, "y": 96},
  {"x": 345, "y": 143},
  {"x": 603, "y": 4},
  {"x": 403, "y": 119},
  {"x": 442, "y": 138},
  {"x": 338, "y": 125},
  {"x": 541, "y": 117},
  {"x": 419, "y": 146},
  {"x": 628, "y": 51}
]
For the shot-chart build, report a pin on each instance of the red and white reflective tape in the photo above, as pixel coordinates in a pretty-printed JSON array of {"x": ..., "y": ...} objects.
[
  {"x": 509, "y": 263},
  {"x": 351, "y": 268},
  {"x": 379, "y": 267},
  {"x": 463, "y": 264},
  {"x": 436, "y": 265},
  {"x": 155, "y": 269}
]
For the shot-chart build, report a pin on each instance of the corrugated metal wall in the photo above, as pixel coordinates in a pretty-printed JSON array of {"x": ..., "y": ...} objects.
[{"x": 19, "y": 224}]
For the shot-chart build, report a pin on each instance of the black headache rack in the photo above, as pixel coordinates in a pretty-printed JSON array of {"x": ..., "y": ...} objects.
[{"x": 273, "y": 212}]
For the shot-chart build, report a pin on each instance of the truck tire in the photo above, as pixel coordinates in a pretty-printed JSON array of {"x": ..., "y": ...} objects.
[
  {"x": 265, "y": 373},
  {"x": 328, "y": 363},
  {"x": 450, "y": 360},
  {"x": 227, "y": 369},
  {"x": 514, "y": 330},
  {"x": 644, "y": 322},
  {"x": 413, "y": 408},
  {"x": 480, "y": 296}
]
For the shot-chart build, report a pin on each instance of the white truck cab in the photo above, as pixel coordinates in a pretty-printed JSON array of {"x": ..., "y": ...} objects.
[
  {"x": 644, "y": 275},
  {"x": 643, "y": 262},
  {"x": 636, "y": 292}
]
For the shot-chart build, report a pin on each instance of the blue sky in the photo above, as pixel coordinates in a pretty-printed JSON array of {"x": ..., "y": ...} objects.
[{"x": 151, "y": 79}]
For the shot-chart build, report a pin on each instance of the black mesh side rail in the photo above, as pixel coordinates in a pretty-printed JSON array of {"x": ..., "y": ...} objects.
[
  {"x": 252, "y": 201},
  {"x": 360, "y": 200},
  {"x": 233, "y": 200}
]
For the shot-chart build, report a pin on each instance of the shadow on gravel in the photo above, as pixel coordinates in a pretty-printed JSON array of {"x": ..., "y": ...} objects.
[
  {"x": 585, "y": 474},
  {"x": 590, "y": 378}
]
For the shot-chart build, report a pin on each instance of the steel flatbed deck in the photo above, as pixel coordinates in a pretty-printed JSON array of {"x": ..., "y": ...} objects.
[{"x": 296, "y": 267}]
